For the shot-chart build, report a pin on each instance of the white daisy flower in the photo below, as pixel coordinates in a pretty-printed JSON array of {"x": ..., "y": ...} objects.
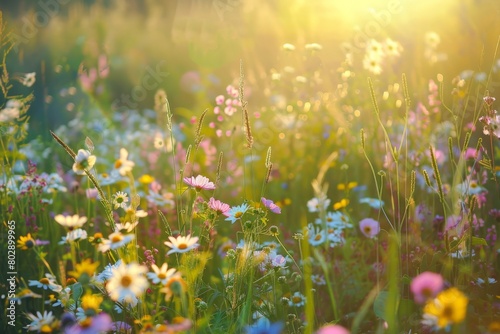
[
  {"x": 432, "y": 39},
  {"x": 109, "y": 179},
  {"x": 47, "y": 282},
  {"x": 372, "y": 202},
  {"x": 182, "y": 244},
  {"x": 115, "y": 241},
  {"x": 315, "y": 203},
  {"x": 159, "y": 142},
  {"x": 122, "y": 164},
  {"x": 71, "y": 222},
  {"x": 40, "y": 320},
  {"x": 314, "y": 47},
  {"x": 470, "y": 187},
  {"x": 27, "y": 79},
  {"x": 11, "y": 112},
  {"x": 160, "y": 274},
  {"x": 76, "y": 235},
  {"x": 335, "y": 238},
  {"x": 392, "y": 48},
  {"x": 84, "y": 160},
  {"x": 316, "y": 236},
  {"x": 318, "y": 279},
  {"x": 297, "y": 300},
  {"x": 120, "y": 200},
  {"x": 372, "y": 64},
  {"x": 127, "y": 282},
  {"x": 129, "y": 227},
  {"x": 301, "y": 79},
  {"x": 374, "y": 50},
  {"x": 107, "y": 273}
]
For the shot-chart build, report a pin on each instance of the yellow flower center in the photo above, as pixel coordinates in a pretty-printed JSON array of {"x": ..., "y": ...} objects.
[
  {"x": 447, "y": 312},
  {"x": 45, "y": 329},
  {"x": 126, "y": 281},
  {"x": 367, "y": 229},
  {"x": 238, "y": 214},
  {"x": 117, "y": 238},
  {"x": 182, "y": 246},
  {"x": 162, "y": 276},
  {"x": 317, "y": 237},
  {"x": 296, "y": 299},
  {"x": 44, "y": 281},
  {"x": 118, "y": 164},
  {"x": 148, "y": 326},
  {"x": 86, "y": 323},
  {"x": 427, "y": 293}
]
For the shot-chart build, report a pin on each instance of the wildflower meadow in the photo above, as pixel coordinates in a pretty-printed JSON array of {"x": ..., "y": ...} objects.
[{"x": 250, "y": 166}]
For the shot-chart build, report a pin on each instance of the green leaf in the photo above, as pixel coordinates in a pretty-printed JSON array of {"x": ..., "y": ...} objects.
[
  {"x": 380, "y": 303},
  {"x": 77, "y": 291},
  {"x": 479, "y": 241}
]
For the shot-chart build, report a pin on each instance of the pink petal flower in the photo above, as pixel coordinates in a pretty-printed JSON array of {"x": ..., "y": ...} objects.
[
  {"x": 199, "y": 183},
  {"x": 426, "y": 285},
  {"x": 369, "y": 227},
  {"x": 219, "y": 206},
  {"x": 332, "y": 329},
  {"x": 270, "y": 205}
]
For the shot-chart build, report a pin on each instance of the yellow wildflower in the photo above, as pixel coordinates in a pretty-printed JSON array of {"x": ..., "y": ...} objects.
[
  {"x": 449, "y": 307},
  {"x": 26, "y": 242}
]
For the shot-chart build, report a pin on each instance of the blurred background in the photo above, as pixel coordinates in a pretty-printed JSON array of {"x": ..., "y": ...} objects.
[{"x": 196, "y": 46}]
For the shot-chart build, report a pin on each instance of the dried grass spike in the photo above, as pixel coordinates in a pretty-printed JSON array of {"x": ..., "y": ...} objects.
[
  {"x": 427, "y": 179},
  {"x": 242, "y": 82},
  {"x": 466, "y": 141},
  {"x": 437, "y": 174},
  {"x": 413, "y": 181},
  {"x": 188, "y": 154},
  {"x": 198, "y": 136},
  {"x": 66, "y": 147},
  {"x": 219, "y": 167},
  {"x": 363, "y": 138},
  {"x": 268, "y": 157},
  {"x": 269, "y": 170},
  {"x": 248, "y": 129}
]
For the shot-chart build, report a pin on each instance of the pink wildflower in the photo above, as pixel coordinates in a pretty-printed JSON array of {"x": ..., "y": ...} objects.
[
  {"x": 270, "y": 205},
  {"x": 199, "y": 183},
  {"x": 218, "y": 206},
  {"x": 332, "y": 329},
  {"x": 369, "y": 227},
  {"x": 426, "y": 285}
]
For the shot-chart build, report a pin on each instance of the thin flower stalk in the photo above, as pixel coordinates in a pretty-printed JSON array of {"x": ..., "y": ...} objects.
[{"x": 102, "y": 197}]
